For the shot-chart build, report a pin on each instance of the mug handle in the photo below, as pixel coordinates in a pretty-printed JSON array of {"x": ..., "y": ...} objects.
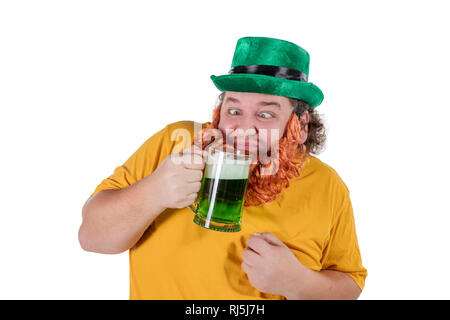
[
  {"x": 194, "y": 209},
  {"x": 195, "y": 206}
]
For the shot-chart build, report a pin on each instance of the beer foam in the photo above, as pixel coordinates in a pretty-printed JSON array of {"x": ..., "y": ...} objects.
[{"x": 230, "y": 169}]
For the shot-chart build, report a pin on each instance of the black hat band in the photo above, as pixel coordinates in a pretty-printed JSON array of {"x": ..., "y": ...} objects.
[{"x": 274, "y": 71}]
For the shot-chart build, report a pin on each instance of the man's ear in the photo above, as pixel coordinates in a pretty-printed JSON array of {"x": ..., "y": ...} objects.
[
  {"x": 304, "y": 120},
  {"x": 305, "y": 117}
]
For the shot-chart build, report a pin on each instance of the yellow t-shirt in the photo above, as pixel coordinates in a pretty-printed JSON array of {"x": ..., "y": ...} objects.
[{"x": 177, "y": 259}]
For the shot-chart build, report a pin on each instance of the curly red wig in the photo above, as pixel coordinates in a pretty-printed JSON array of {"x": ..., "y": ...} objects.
[{"x": 264, "y": 188}]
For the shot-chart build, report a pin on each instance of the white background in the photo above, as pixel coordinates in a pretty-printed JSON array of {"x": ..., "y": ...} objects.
[{"x": 84, "y": 83}]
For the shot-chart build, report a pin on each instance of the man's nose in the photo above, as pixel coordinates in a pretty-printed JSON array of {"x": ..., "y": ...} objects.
[{"x": 246, "y": 126}]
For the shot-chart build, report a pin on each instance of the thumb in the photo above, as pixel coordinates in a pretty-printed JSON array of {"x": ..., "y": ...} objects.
[{"x": 270, "y": 238}]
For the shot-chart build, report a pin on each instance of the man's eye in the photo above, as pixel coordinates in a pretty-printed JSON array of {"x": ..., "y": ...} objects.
[
  {"x": 266, "y": 115},
  {"x": 233, "y": 111}
]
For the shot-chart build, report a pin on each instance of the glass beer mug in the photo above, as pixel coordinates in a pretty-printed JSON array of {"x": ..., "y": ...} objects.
[{"x": 221, "y": 200}]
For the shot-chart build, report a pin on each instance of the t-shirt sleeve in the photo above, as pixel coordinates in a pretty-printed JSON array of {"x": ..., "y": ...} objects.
[
  {"x": 141, "y": 163},
  {"x": 342, "y": 250}
]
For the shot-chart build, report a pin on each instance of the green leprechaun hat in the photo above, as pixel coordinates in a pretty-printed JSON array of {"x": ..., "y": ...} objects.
[{"x": 270, "y": 66}]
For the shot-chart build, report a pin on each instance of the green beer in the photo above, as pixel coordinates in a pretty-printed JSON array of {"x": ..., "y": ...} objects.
[{"x": 221, "y": 197}]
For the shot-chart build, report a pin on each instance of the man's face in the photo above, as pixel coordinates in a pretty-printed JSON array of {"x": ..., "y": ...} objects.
[{"x": 254, "y": 120}]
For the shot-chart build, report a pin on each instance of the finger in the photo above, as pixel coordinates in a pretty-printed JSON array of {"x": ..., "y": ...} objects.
[
  {"x": 196, "y": 150},
  {"x": 194, "y": 166},
  {"x": 193, "y": 175},
  {"x": 193, "y": 149},
  {"x": 270, "y": 238},
  {"x": 194, "y": 161},
  {"x": 258, "y": 244},
  {"x": 246, "y": 267},
  {"x": 192, "y": 197},
  {"x": 188, "y": 160},
  {"x": 250, "y": 257},
  {"x": 193, "y": 187}
]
